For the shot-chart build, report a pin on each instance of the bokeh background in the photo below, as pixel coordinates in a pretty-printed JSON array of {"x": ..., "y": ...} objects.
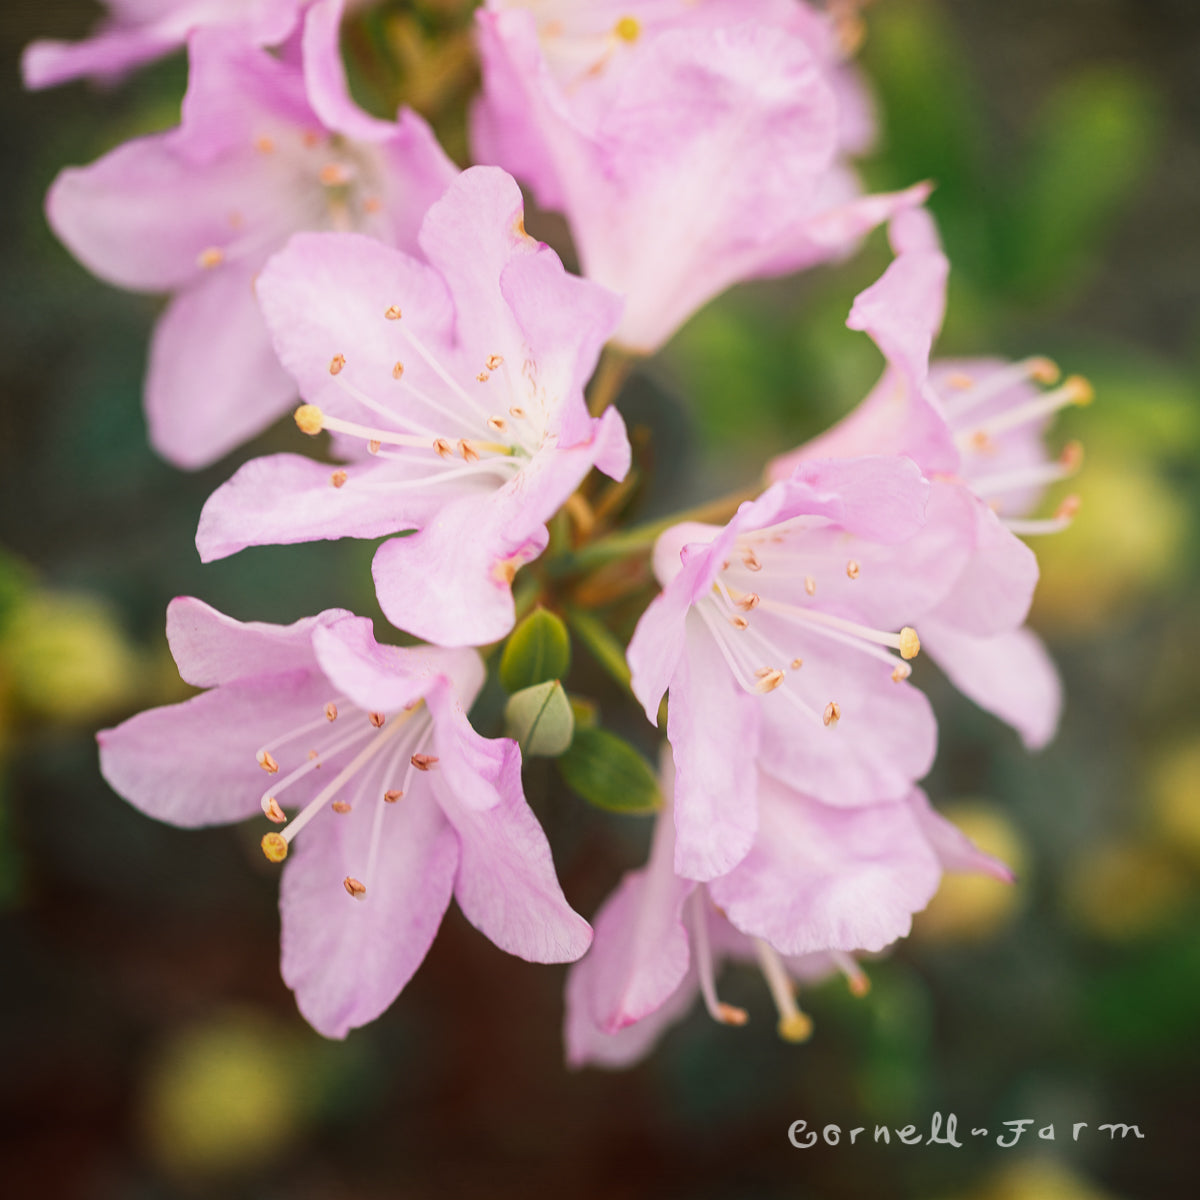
[{"x": 147, "y": 1046}]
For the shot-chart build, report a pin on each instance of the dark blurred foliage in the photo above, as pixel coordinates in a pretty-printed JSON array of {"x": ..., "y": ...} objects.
[{"x": 148, "y": 1048}]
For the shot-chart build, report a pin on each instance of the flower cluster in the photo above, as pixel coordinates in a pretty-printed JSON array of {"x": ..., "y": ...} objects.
[{"x": 326, "y": 261}]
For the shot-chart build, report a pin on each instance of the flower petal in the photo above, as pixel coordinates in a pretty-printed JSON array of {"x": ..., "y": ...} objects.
[
  {"x": 1009, "y": 674},
  {"x": 822, "y": 878},
  {"x": 956, "y": 852},
  {"x": 348, "y": 959}
]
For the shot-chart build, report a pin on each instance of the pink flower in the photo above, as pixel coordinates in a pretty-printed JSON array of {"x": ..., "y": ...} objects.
[
  {"x": 456, "y": 389},
  {"x": 820, "y": 885},
  {"x": 140, "y": 31},
  {"x": 778, "y": 638},
  {"x": 400, "y": 803},
  {"x": 263, "y": 150},
  {"x": 977, "y": 427},
  {"x": 690, "y": 146}
]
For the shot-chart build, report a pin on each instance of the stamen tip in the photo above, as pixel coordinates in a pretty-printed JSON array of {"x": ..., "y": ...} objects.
[
  {"x": 859, "y": 984},
  {"x": 1071, "y": 458},
  {"x": 730, "y": 1014},
  {"x": 393, "y": 312},
  {"x": 1079, "y": 390},
  {"x": 309, "y": 419},
  {"x": 274, "y": 846},
  {"x": 795, "y": 1028},
  {"x": 853, "y": 569},
  {"x": 1044, "y": 370},
  {"x": 1069, "y": 507},
  {"x": 338, "y": 479},
  {"x": 354, "y": 887},
  {"x": 272, "y": 811},
  {"x": 832, "y": 714},
  {"x": 910, "y": 644},
  {"x": 628, "y": 29},
  {"x": 267, "y": 761}
]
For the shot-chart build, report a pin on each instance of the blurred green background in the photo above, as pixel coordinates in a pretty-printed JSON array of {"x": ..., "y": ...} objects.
[{"x": 147, "y": 1046}]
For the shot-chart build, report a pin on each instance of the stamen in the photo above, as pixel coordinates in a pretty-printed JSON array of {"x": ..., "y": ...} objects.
[
  {"x": 354, "y": 888},
  {"x": 495, "y": 362},
  {"x": 859, "y": 984},
  {"x": 393, "y": 313},
  {"x": 340, "y": 806},
  {"x": 482, "y": 377},
  {"x": 1039, "y": 370},
  {"x": 373, "y": 447},
  {"x": 724, "y": 1014},
  {"x": 267, "y": 763},
  {"x": 338, "y": 479},
  {"x": 211, "y": 257},
  {"x": 810, "y": 585},
  {"x": 769, "y": 678},
  {"x": 832, "y": 714},
  {"x": 264, "y": 145},
  {"x": 392, "y": 795},
  {"x": 1075, "y": 390},
  {"x": 748, "y": 602},
  {"x": 853, "y": 569},
  {"x": 424, "y": 762},
  {"x": 377, "y": 719},
  {"x": 797, "y": 663},
  {"x": 794, "y": 1026},
  {"x": 739, "y": 622},
  {"x": 628, "y": 29},
  {"x": 398, "y": 371},
  {"x": 906, "y": 641},
  {"x": 272, "y": 811},
  {"x": 1061, "y": 520},
  {"x": 334, "y": 174},
  {"x": 336, "y": 363}
]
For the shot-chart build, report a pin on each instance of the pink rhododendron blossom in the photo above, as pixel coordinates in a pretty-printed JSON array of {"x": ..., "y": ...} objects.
[
  {"x": 139, "y": 31},
  {"x": 777, "y": 636},
  {"x": 264, "y": 149},
  {"x": 977, "y": 427},
  {"x": 398, "y": 804},
  {"x": 820, "y": 885},
  {"x": 455, "y": 389},
  {"x": 690, "y": 145}
]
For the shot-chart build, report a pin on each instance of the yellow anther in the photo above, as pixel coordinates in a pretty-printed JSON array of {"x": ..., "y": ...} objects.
[
  {"x": 272, "y": 810},
  {"x": 442, "y": 447},
  {"x": 796, "y": 1027},
  {"x": 1071, "y": 457},
  {"x": 212, "y": 256},
  {"x": 336, "y": 363},
  {"x": 1068, "y": 508},
  {"x": 374, "y": 446},
  {"x": 264, "y": 145},
  {"x": 730, "y": 1014},
  {"x": 901, "y": 672},
  {"x": 832, "y": 714},
  {"x": 354, "y": 887},
  {"x": 910, "y": 644},
  {"x": 960, "y": 380},
  {"x": 516, "y": 411},
  {"x": 769, "y": 678},
  {"x": 274, "y": 846},
  {"x": 749, "y": 602},
  {"x": 810, "y": 585},
  {"x": 504, "y": 570},
  {"x": 377, "y": 719},
  {"x": 859, "y": 984},
  {"x": 393, "y": 313},
  {"x": 498, "y": 424},
  {"x": 338, "y": 479},
  {"x": 482, "y": 377},
  {"x": 372, "y": 204},
  {"x": 1044, "y": 370},
  {"x": 340, "y": 806},
  {"x": 267, "y": 762},
  {"x": 797, "y": 663},
  {"x": 750, "y": 561},
  {"x": 628, "y": 29},
  {"x": 494, "y": 362},
  {"x": 331, "y": 711},
  {"x": 310, "y": 419},
  {"x": 468, "y": 452},
  {"x": 398, "y": 371},
  {"x": 853, "y": 570},
  {"x": 424, "y": 762},
  {"x": 392, "y": 795},
  {"x": 739, "y": 622},
  {"x": 1079, "y": 390}
]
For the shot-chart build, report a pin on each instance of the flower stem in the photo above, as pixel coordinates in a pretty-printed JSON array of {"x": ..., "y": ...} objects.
[{"x": 610, "y": 377}]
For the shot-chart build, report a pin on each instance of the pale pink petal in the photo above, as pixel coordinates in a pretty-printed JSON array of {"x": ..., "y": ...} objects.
[
  {"x": 384, "y": 678},
  {"x": 347, "y": 959},
  {"x": 283, "y": 499},
  {"x": 211, "y": 648},
  {"x": 506, "y": 885},
  {"x": 956, "y": 852},
  {"x": 822, "y": 878},
  {"x": 713, "y": 729},
  {"x": 885, "y": 737},
  {"x": 213, "y": 380},
  {"x": 995, "y": 589},
  {"x": 47, "y": 63},
  {"x": 476, "y": 769},
  {"x": 194, "y": 763},
  {"x": 1009, "y": 674},
  {"x": 328, "y": 91}
]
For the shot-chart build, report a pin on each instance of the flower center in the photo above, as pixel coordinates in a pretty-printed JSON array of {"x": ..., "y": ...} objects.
[{"x": 383, "y": 749}]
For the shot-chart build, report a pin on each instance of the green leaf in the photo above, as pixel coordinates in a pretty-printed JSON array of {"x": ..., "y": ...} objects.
[
  {"x": 538, "y": 650},
  {"x": 541, "y": 719},
  {"x": 604, "y": 648},
  {"x": 609, "y": 773}
]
